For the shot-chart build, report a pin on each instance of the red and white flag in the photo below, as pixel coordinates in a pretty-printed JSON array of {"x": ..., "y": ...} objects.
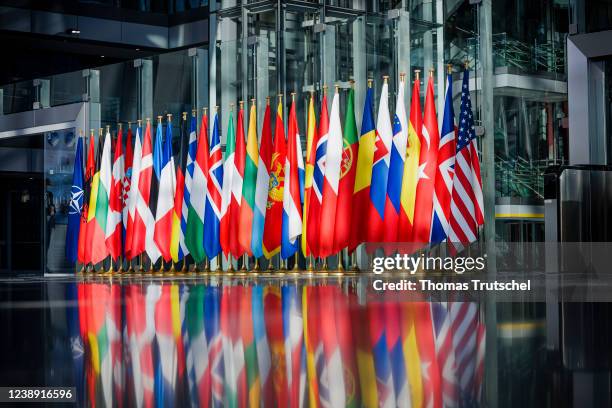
[
  {"x": 127, "y": 175},
  {"x": 130, "y": 247},
  {"x": 114, "y": 227}
]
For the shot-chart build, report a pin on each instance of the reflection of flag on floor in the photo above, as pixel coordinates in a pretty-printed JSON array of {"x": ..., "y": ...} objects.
[
  {"x": 250, "y": 347},
  {"x": 166, "y": 368},
  {"x": 74, "y": 295},
  {"x": 333, "y": 373},
  {"x": 274, "y": 328},
  {"x": 215, "y": 346},
  {"x": 430, "y": 374},
  {"x": 382, "y": 363},
  {"x": 396, "y": 354},
  {"x": 198, "y": 369},
  {"x": 464, "y": 318},
  {"x": 445, "y": 353},
  {"x": 412, "y": 360},
  {"x": 114, "y": 324},
  {"x": 310, "y": 313},
  {"x": 264, "y": 362},
  {"x": 293, "y": 333}
]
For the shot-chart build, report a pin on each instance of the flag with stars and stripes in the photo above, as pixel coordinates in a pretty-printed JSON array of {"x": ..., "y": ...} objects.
[{"x": 467, "y": 209}]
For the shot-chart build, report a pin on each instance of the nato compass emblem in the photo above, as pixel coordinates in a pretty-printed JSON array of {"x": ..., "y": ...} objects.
[{"x": 76, "y": 200}]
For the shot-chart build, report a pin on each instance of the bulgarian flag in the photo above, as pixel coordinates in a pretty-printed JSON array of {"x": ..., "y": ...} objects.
[
  {"x": 114, "y": 227},
  {"x": 194, "y": 237},
  {"x": 348, "y": 166},
  {"x": 311, "y": 136},
  {"x": 274, "y": 209},
  {"x": 98, "y": 202},
  {"x": 247, "y": 203}
]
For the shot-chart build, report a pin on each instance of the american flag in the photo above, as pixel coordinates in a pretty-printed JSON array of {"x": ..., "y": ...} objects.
[{"x": 467, "y": 211}]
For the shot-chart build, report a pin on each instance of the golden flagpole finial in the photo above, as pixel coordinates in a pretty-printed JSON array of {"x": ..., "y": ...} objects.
[
  {"x": 337, "y": 87},
  {"x": 268, "y": 100},
  {"x": 169, "y": 115},
  {"x": 129, "y": 124},
  {"x": 241, "y": 104},
  {"x": 148, "y": 120},
  {"x": 92, "y": 131},
  {"x": 80, "y": 132},
  {"x": 385, "y": 79},
  {"x": 449, "y": 68},
  {"x": 108, "y": 128},
  {"x": 184, "y": 115},
  {"x": 194, "y": 112},
  {"x": 402, "y": 76},
  {"x": 232, "y": 106},
  {"x": 431, "y": 72},
  {"x": 100, "y": 131},
  {"x": 159, "y": 118},
  {"x": 139, "y": 122},
  {"x": 216, "y": 108},
  {"x": 292, "y": 96},
  {"x": 352, "y": 82},
  {"x": 253, "y": 100},
  {"x": 205, "y": 110},
  {"x": 466, "y": 64},
  {"x": 370, "y": 82},
  {"x": 324, "y": 87},
  {"x": 417, "y": 73},
  {"x": 120, "y": 126}
]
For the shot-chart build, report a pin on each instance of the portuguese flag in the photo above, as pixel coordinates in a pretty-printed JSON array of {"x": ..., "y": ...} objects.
[
  {"x": 98, "y": 202},
  {"x": 348, "y": 168}
]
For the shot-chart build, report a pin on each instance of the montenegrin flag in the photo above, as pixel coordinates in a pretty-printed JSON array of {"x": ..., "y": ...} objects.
[
  {"x": 363, "y": 177},
  {"x": 396, "y": 167},
  {"x": 294, "y": 187},
  {"x": 411, "y": 166},
  {"x": 380, "y": 168},
  {"x": 318, "y": 175},
  {"x": 445, "y": 170},
  {"x": 114, "y": 227},
  {"x": 165, "y": 198},
  {"x": 430, "y": 140},
  {"x": 212, "y": 213},
  {"x": 130, "y": 247},
  {"x": 274, "y": 214},
  {"x": 98, "y": 202},
  {"x": 264, "y": 163},
  {"x": 247, "y": 204},
  {"x": 333, "y": 161},
  {"x": 344, "y": 209},
  {"x": 311, "y": 131},
  {"x": 194, "y": 236}
]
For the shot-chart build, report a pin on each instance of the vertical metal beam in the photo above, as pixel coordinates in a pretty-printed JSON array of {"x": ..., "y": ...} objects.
[
  {"x": 359, "y": 66},
  {"x": 212, "y": 57},
  {"x": 488, "y": 184},
  {"x": 440, "y": 69},
  {"x": 146, "y": 89}
]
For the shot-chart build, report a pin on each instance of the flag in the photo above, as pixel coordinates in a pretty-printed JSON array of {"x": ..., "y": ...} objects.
[
  {"x": 444, "y": 172},
  {"x": 151, "y": 247},
  {"x": 212, "y": 213},
  {"x": 380, "y": 168},
  {"x": 333, "y": 392},
  {"x": 194, "y": 235},
  {"x": 467, "y": 210},
  {"x": 76, "y": 205},
  {"x": 318, "y": 175},
  {"x": 114, "y": 226},
  {"x": 274, "y": 209},
  {"x": 264, "y": 362},
  {"x": 293, "y": 334},
  {"x": 233, "y": 170},
  {"x": 396, "y": 168},
  {"x": 126, "y": 183},
  {"x": 445, "y": 354},
  {"x": 247, "y": 333},
  {"x": 144, "y": 218},
  {"x": 430, "y": 140},
  {"x": 131, "y": 247},
  {"x": 411, "y": 166},
  {"x": 293, "y": 190},
  {"x": 311, "y": 144},
  {"x": 464, "y": 318},
  {"x": 247, "y": 203},
  {"x": 273, "y": 315},
  {"x": 188, "y": 170},
  {"x": 215, "y": 346},
  {"x": 382, "y": 362},
  {"x": 165, "y": 197},
  {"x": 401, "y": 388},
  {"x": 344, "y": 209},
  {"x": 310, "y": 314},
  {"x": 430, "y": 374},
  {"x": 177, "y": 240},
  {"x": 363, "y": 176},
  {"x": 84, "y": 253},
  {"x": 264, "y": 167},
  {"x": 333, "y": 162},
  {"x": 98, "y": 202}
]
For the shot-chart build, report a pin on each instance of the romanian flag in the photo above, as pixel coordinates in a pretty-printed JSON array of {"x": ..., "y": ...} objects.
[
  {"x": 411, "y": 166},
  {"x": 428, "y": 162},
  {"x": 262, "y": 186},
  {"x": 363, "y": 177},
  {"x": 311, "y": 141},
  {"x": 247, "y": 204},
  {"x": 84, "y": 252},
  {"x": 344, "y": 209},
  {"x": 274, "y": 209},
  {"x": 98, "y": 202}
]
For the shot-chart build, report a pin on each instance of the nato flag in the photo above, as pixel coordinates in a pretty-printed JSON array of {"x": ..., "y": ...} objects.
[{"x": 76, "y": 205}]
